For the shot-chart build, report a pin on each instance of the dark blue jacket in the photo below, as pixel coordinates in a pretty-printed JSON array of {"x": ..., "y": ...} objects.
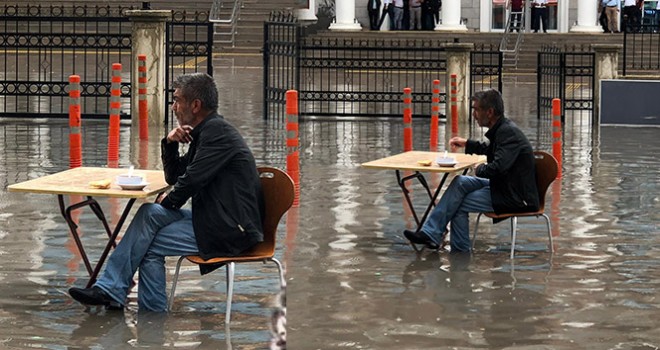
[
  {"x": 220, "y": 174},
  {"x": 510, "y": 168}
]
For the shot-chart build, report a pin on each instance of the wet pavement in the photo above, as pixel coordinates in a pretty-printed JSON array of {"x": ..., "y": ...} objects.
[{"x": 352, "y": 280}]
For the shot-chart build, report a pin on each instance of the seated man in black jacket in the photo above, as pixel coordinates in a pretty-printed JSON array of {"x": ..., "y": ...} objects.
[
  {"x": 218, "y": 172},
  {"x": 505, "y": 184}
]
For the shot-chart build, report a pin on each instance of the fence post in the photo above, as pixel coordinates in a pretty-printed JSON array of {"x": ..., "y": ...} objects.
[
  {"x": 458, "y": 63},
  {"x": 75, "y": 138},
  {"x": 606, "y": 62},
  {"x": 148, "y": 37},
  {"x": 407, "y": 120},
  {"x": 115, "y": 105},
  {"x": 292, "y": 143},
  {"x": 435, "y": 111},
  {"x": 556, "y": 133}
]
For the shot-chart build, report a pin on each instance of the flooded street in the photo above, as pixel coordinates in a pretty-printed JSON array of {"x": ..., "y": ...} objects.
[{"x": 353, "y": 281}]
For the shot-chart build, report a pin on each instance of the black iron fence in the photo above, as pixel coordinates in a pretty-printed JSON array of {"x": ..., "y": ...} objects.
[
  {"x": 641, "y": 49},
  {"x": 568, "y": 74},
  {"x": 366, "y": 77},
  {"x": 41, "y": 46},
  {"x": 281, "y": 40},
  {"x": 189, "y": 38},
  {"x": 360, "y": 76}
]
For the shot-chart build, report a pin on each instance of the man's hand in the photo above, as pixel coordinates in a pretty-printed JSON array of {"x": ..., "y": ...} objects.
[
  {"x": 180, "y": 134},
  {"x": 457, "y": 142},
  {"x": 160, "y": 197}
]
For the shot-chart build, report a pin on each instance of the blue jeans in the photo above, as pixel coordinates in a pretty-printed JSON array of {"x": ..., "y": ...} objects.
[
  {"x": 154, "y": 233},
  {"x": 465, "y": 194}
]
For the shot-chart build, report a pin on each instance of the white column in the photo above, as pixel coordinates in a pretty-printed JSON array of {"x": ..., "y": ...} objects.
[
  {"x": 345, "y": 16},
  {"x": 451, "y": 17},
  {"x": 587, "y": 17},
  {"x": 308, "y": 14}
]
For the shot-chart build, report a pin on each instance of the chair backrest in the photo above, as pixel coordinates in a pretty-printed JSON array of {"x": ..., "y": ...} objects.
[
  {"x": 546, "y": 172},
  {"x": 278, "y": 191}
]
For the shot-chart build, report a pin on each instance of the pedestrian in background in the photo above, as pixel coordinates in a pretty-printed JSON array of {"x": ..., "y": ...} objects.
[
  {"x": 612, "y": 11},
  {"x": 373, "y": 8}
]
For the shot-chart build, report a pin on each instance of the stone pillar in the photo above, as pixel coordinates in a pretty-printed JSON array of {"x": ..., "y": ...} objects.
[
  {"x": 345, "y": 16},
  {"x": 458, "y": 62},
  {"x": 451, "y": 17},
  {"x": 308, "y": 14},
  {"x": 606, "y": 65},
  {"x": 587, "y": 20},
  {"x": 148, "y": 38}
]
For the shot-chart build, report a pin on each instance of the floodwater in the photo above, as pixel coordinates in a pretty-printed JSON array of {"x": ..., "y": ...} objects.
[{"x": 352, "y": 280}]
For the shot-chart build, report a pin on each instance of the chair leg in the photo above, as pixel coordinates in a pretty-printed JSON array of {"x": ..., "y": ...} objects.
[
  {"x": 281, "y": 271},
  {"x": 514, "y": 223},
  {"x": 230, "y": 291},
  {"x": 476, "y": 228},
  {"x": 547, "y": 222},
  {"x": 174, "y": 281}
]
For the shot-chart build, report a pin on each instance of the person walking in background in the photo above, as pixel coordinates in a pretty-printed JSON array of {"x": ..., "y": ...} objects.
[
  {"x": 416, "y": 14},
  {"x": 506, "y": 183},
  {"x": 387, "y": 16},
  {"x": 540, "y": 15},
  {"x": 611, "y": 8},
  {"x": 373, "y": 8},
  {"x": 515, "y": 18}
]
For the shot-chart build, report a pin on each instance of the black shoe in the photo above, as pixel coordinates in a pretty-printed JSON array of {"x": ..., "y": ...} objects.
[
  {"x": 94, "y": 296},
  {"x": 418, "y": 237}
]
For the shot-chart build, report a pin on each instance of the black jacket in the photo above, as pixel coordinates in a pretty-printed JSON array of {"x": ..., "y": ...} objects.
[
  {"x": 510, "y": 167},
  {"x": 220, "y": 174}
]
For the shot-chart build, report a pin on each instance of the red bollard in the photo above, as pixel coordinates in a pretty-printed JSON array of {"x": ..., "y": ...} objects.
[
  {"x": 75, "y": 138},
  {"x": 143, "y": 108},
  {"x": 407, "y": 120},
  {"x": 556, "y": 133},
  {"x": 435, "y": 112},
  {"x": 454, "y": 105},
  {"x": 115, "y": 105},
  {"x": 292, "y": 158}
]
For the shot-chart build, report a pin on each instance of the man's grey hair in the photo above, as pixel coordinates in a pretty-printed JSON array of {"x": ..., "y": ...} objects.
[
  {"x": 199, "y": 86},
  {"x": 490, "y": 99}
]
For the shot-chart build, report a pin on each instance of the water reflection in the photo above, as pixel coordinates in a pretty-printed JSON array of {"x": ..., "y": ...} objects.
[{"x": 352, "y": 280}]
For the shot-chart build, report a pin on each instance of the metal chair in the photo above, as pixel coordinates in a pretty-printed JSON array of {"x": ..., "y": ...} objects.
[
  {"x": 546, "y": 172},
  {"x": 278, "y": 193}
]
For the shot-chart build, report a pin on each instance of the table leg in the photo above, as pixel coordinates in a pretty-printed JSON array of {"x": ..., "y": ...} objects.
[
  {"x": 402, "y": 183},
  {"x": 111, "y": 242},
  {"x": 112, "y": 234}
]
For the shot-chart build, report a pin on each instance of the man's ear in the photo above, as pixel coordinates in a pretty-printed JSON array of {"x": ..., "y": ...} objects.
[{"x": 196, "y": 106}]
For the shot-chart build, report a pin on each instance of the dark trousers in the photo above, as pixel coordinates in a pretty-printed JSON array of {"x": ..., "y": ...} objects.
[
  {"x": 539, "y": 16},
  {"x": 374, "y": 19}
]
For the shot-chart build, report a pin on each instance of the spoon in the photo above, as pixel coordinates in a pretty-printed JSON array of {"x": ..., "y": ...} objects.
[
  {"x": 445, "y": 156},
  {"x": 130, "y": 170}
]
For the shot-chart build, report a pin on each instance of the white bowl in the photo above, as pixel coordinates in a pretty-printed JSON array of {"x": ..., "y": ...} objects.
[
  {"x": 446, "y": 161},
  {"x": 124, "y": 179}
]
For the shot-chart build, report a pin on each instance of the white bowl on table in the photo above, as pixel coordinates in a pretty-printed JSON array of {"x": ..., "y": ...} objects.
[
  {"x": 131, "y": 182},
  {"x": 446, "y": 161}
]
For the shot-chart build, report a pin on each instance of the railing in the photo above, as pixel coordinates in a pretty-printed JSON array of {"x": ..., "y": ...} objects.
[
  {"x": 519, "y": 20},
  {"x": 641, "y": 48},
  {"x": 231, "y": 22}
]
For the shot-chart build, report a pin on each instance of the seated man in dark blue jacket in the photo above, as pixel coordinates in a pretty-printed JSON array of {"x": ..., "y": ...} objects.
[
  {"x": 505, "y": 184},
  {"x": 218, "y": 172}
]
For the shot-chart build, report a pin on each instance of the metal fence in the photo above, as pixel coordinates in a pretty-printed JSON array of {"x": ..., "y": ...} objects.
[
  {"x": 189, "y": 38},
  {"x": 568, "y": 74},
  {"x": 641, "y": 49},
  {"x": 281, "y": 40},
  {"x": 41, "y": 46},
  {"x": 360, "y": 76}
]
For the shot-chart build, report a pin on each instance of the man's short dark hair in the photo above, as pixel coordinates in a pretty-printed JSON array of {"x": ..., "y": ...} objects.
[
  {"x": 199, "y": 86},
  {"x": 490, "y": 99}
]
